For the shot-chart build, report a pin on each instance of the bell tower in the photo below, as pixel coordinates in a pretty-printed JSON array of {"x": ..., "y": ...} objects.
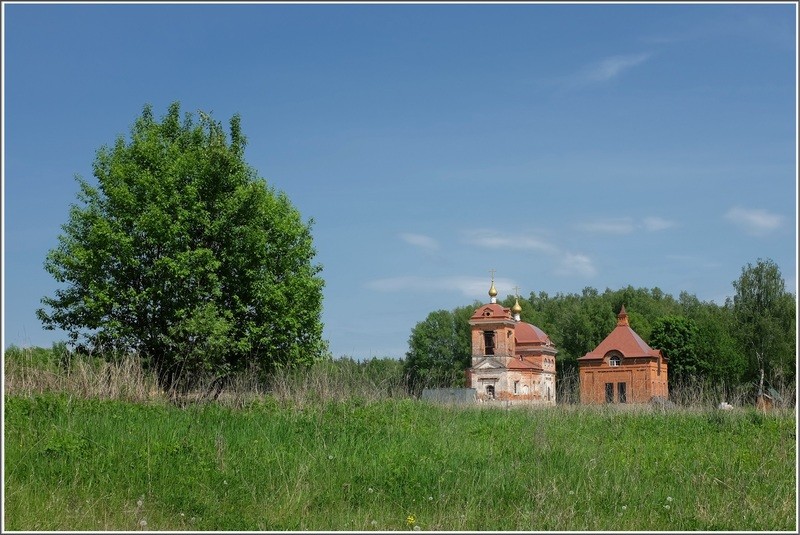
[{"x": 492, "y": 329}]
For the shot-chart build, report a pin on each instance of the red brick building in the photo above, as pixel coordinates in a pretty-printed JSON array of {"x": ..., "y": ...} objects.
[
  {"x": 511, "y": 360},
  {"x": 623, "y": 369}
]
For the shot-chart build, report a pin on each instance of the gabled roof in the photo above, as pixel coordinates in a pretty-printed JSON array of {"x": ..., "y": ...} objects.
[
  {"x": 491, "y": 311},
  {"x": 622, "y": 339},
  {"x": 488, "y": 365}
]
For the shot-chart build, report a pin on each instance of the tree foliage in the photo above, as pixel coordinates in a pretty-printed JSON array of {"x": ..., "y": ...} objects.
[
  {"x": 182, "y": 254},
  {"x": 678, "y": 339},
  {"x": 765, "y": 319},
  {"x": 440, "y": 349}
]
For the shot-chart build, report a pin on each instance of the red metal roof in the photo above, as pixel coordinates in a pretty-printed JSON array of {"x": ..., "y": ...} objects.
[
  {"x": 516, "y": 364},
  {"x": 525, "y": 333},
  {"x": 622, "y": 339},
  {"x": 492, "y": 310}
]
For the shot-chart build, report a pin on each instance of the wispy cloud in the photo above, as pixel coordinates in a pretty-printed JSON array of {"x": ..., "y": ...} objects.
[
  {"x": 575, "y": 264},
  {"x": 608, "y": 226},
  {"x": 492, "y": 239},
  {"x": 777, "y": 31},
  {"x": 420, "y": 240},
  {"x": 753, "y": 221},
  {"x": 657, "y": 223},
  {"x": 565, "y": 263},
  {"x": 610, "y": 67},
  {"x": 597, "y": 72},
  {"x": 475, "y": 287},
  {"x": 625, "y": 225}
]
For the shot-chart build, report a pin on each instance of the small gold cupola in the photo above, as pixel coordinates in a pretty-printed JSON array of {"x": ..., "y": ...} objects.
[
  {"x": 517, "y": 308},
  {"x": 492, "y": 289}
]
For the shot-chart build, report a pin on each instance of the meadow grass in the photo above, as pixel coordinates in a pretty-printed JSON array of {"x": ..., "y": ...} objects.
[
  {"x": 87, "y": 464},
  {"x": 96, "y": 445}
]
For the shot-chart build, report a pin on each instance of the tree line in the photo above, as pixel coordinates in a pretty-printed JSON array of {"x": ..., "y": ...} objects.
[{"x": 749, "y": 339}]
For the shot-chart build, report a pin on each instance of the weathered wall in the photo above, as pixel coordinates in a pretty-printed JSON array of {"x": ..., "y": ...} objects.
[{"x": 642, "y": 377}]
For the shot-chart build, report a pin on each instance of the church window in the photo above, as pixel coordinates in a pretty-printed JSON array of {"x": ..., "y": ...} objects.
[
  {"x": 516, "y": 387},
  {"x": 488, "y": 341},
  {"x": 609, "y": 392},
  {"x": 615, "y": 361},
  {"x": 622, "y": 392}
]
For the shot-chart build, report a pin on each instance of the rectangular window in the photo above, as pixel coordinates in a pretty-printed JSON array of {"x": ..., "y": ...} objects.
[
  {"x": 488, "y": 342},
  {"x": 622, "y": 394},
  {"x": 516, "y": 385},
  {"x": 609, "y": 392}
]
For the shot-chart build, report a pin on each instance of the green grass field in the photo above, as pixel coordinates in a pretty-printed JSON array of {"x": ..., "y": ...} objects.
[{"x": 75, "y": 463}]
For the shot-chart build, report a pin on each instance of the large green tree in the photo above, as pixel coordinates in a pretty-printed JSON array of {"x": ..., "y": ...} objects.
[
  {"x": 182, "y": 254},
  {"x": 765, "y": 319},
  {"x": 678, "y": 338},
  {"x": 439, "y": 350},
  {"x": 716, "y": 340}
]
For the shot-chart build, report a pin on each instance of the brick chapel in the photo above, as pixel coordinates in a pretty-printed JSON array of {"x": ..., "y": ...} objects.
[
  {"x": 623, "y": 368},
  {"x": 511, "y": 360}
]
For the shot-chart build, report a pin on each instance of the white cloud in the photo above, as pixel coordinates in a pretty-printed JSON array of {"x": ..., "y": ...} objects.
[
  {"x": 420, "y": 240},
  {"x": 609, "y": 226},
  {"x": 754, "y": 222},
  {"x": 610, "y": 67},
  {"x": 576, "y": 264},
  {"x": 566, "y": 264},
  {"x": 497, "y": 240},
  {"x": 625, "y": 225},
  {"x": 600, "y": 71},
  {"x": 657, "y": 223},
  {"x": 475, "y": 287}
]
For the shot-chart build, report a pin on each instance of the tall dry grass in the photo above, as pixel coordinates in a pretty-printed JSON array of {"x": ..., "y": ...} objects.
[
  {"x": 711, "y": 394},
  {"x": 340, "y": 380},
  {"x": 30, "y": 371}
]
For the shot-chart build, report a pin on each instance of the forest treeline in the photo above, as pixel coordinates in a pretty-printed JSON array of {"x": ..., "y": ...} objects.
[{"x": 749, "y": 339}]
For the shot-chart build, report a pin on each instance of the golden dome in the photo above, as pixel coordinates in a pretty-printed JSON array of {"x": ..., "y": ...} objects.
[
  {"x": 517, "y": 308},
  {"x": 492, "y": 291}
]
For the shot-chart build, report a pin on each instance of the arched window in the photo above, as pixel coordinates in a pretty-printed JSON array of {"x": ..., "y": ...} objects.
[{"x": 615, "y": 360}]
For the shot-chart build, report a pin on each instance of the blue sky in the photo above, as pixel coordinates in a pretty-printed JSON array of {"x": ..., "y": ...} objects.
[{"x": 564, "y": 145}]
